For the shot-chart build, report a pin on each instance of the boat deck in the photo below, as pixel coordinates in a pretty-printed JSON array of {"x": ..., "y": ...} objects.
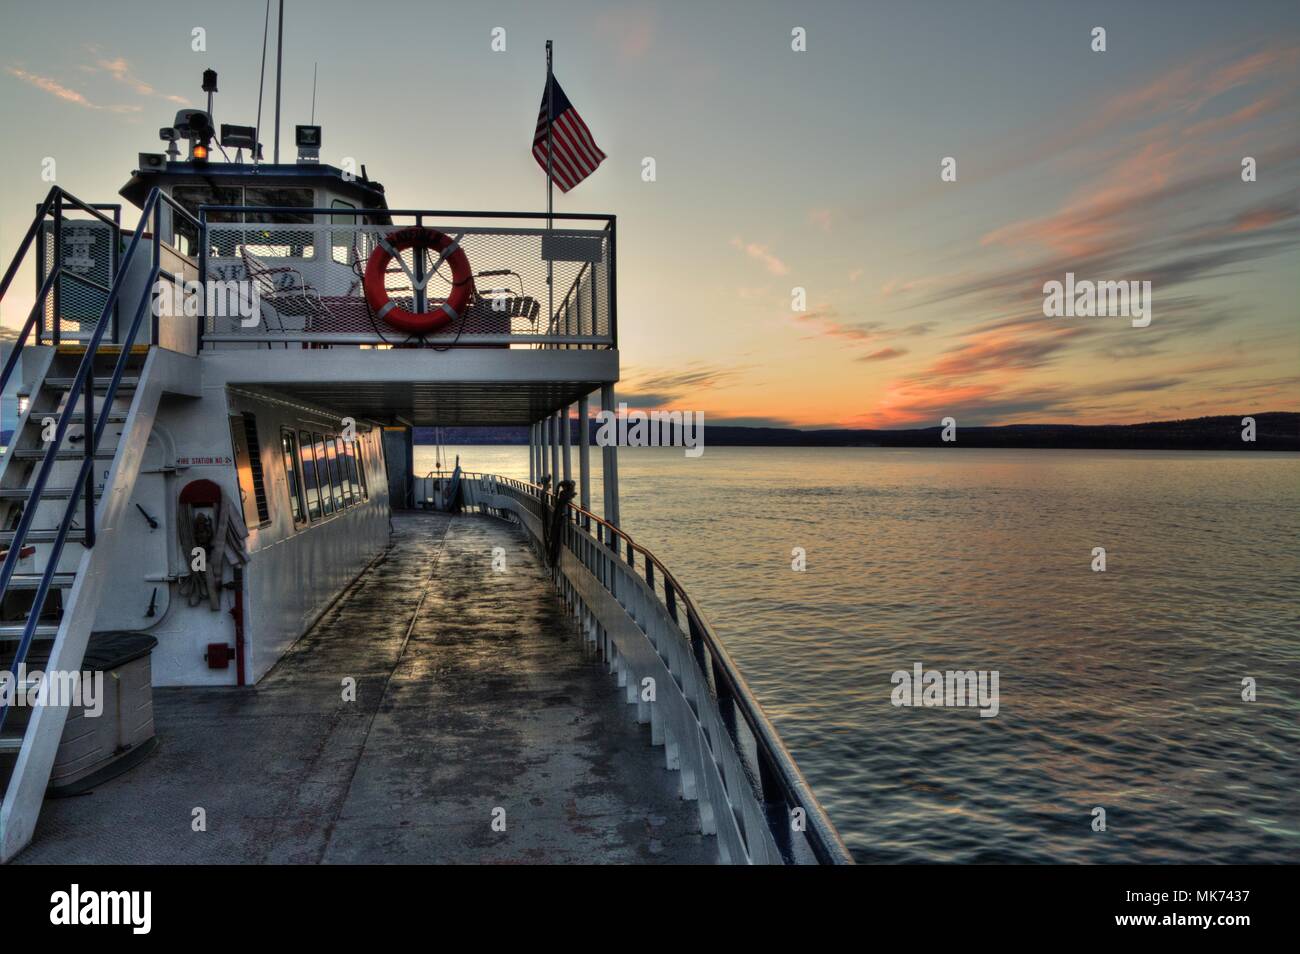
[{"x": 473, "y": 692}]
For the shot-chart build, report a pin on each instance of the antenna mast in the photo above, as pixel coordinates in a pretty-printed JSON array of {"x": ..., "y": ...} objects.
[
  {"x": 261, "y": 84},
  {"x": 313, "y": 93},
  {"x": 279, "y": 69}
]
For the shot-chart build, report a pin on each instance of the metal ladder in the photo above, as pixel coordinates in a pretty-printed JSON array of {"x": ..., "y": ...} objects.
[{"x": 87, "y": 399}]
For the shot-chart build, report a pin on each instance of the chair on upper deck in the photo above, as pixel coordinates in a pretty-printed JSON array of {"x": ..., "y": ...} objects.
[
  {"x": 286, "y": 291},
  {"x": 494, "y": 307}
]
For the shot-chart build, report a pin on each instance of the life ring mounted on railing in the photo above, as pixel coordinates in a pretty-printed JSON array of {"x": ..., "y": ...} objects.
[{"x": 422, "y": 239}]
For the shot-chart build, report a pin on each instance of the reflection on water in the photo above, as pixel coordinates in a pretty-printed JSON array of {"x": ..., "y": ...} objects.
[{"x": 1119, "y": 689}]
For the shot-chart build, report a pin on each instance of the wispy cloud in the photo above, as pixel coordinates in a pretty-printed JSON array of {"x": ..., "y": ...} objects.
[
  {"x": 762, "y": 254},
  {"x": 120, "y": 70},
  {"x": 65, "y": 93},
  {"x": 661, "y": 386},
  {"x": 630, "y": 30},
  {"x": 884, "y": 354},
  {"x": 822, "y": 218}
]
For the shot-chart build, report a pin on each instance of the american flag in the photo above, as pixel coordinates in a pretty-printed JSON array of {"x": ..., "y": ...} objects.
[{"x": 575, "y": 154}]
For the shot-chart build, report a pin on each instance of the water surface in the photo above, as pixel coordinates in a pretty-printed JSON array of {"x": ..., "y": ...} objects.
[{"x": 1119, "y": 690}]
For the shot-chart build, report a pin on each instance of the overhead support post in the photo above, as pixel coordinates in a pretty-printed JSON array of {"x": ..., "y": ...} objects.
[
  {"x": 584, "y": 453},
  {"x": 532, "y": 453},
  {"x": 555, "y": 450},
  {"x": 538, "y": 454},
  {"x": 566, "y": 436},
  {"x": 609, "y": 457},
  {"x": 546, "y": 443}
]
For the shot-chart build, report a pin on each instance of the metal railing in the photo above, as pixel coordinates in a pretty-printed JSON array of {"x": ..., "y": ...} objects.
[
  {"x": 53, "y": 211},
  {"x": 536, "y": 283},
  {"x": 649, "y": 593},
  {"x": 83, "y": 387}
]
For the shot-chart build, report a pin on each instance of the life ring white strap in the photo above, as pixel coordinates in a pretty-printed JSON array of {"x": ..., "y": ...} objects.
[
  {"x": 446, "y": 253},
  {"x": 390, "y": 305}
]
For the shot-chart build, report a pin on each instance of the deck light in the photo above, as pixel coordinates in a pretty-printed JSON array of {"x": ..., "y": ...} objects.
[
  {"x": 308, "y": 138},
  {"x": 238, "y": 137}
]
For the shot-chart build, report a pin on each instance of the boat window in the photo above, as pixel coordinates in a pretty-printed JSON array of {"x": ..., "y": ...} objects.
[
  {"x": 248, "y": 467},
  {"x": 309, "y": 479},
  {"x": 273, "y": 196},
  {"x": 281, "y": 242},
  {"x": 336, "y": 476},
  {"x": 190, "y": 197},
  {"x": 354, "y": 486},
  {"x": 343, "y": 242},
  {"x": 289, "y": 449},
  {"x": 322, "y": 472},
  {"x": 360, "y": 448},
  {"x": 345, "y": 479}
]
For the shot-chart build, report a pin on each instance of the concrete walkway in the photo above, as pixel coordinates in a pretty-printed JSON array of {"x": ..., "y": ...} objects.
[{"x": 474, "y": 694}]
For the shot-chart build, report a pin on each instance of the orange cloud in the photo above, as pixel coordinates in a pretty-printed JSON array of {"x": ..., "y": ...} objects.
[
  {"x": 1260, "y": 218},
  {"x": 631, "y": 31},
  {"x": 52, "y": 87},
  {"x": 763, "y": 254}
]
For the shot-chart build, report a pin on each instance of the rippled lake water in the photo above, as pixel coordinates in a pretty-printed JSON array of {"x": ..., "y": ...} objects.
[{"x": 1120, "y": 690}]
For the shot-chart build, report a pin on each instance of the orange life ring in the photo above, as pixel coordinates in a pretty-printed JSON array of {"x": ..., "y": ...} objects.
[{"x": 418, "y": 237}]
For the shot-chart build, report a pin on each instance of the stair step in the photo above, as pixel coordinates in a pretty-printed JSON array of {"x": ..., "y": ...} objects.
[
  {"x": 101, "y": 383},
  {"x": 37, "y": 453},
  {"x": 12, "y": 632},
  {"x": 30, "y": 581},
  {"x": 42, "y": 536},
  {"x": 118, "y": 417},
  {"x": 102, "y": 349},
  {"x": 10, "y": 743},
  {"x": 51, "y": 493}
]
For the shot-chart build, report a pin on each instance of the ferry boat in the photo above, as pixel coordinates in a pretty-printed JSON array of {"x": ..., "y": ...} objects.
[{"x": 209, "y": 500}]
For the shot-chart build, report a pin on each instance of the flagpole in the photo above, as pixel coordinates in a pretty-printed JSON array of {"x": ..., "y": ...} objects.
[{"x": 550, "y": 186}]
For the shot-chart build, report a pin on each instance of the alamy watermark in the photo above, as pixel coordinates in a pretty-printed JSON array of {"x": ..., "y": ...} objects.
[
  {"x": 233, "y": 298},
  {"x": 133, "y": 909},
  {"x": 1088, "y": 299},
  {"x": 29, "y": 688},
  {"x": 623, "y": 428},
  {"x": 953, "y": 688}
]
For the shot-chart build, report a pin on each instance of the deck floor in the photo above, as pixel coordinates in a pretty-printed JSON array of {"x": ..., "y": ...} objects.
[{"x": 474, "y": 693}]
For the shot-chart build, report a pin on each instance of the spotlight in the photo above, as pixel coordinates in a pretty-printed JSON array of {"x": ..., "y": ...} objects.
[{"x": 238, "y": 137}]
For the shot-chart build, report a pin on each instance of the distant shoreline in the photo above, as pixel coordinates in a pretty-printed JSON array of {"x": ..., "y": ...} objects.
[{"x": 1274, "y": 431}]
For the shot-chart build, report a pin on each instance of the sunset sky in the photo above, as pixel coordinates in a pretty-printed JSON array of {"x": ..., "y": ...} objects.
[{"x": 778, "y": 169}]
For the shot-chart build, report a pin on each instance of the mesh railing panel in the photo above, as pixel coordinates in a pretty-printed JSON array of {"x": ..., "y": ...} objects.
[
  {"x": 309, "y": 279},
  {"x": 585, "y": 306},
  {"x": 87, "y": 253}
]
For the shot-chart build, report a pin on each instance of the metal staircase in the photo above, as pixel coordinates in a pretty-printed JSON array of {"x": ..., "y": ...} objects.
[{"x": 68, "y": 475}]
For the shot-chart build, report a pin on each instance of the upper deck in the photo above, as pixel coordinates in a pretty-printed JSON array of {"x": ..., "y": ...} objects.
[{"x": 271, "y": 285}]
